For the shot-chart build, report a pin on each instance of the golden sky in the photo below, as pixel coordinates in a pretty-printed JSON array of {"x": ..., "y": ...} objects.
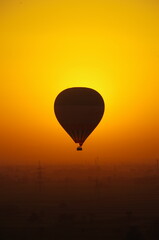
[{"x": 110, "y": 46}]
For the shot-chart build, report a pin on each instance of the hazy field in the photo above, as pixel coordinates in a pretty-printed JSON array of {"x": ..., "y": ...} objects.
[{"x": 79, "y": 202}]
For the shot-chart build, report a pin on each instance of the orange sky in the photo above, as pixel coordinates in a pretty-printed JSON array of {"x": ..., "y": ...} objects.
[{"x": 110, "y": 46}]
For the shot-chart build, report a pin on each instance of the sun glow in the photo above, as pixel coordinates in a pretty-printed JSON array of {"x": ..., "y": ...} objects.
[{"x": 50, "y": 46}]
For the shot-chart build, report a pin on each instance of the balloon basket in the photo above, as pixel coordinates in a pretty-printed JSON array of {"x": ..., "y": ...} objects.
[{"x": 79, "y": 148}]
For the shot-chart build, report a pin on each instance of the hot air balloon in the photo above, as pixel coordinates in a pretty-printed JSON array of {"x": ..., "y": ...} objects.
[{"x": 79, "y": 110}]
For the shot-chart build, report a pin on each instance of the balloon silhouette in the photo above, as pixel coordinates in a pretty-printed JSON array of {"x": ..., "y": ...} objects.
[{"x": 79, "y": 110}]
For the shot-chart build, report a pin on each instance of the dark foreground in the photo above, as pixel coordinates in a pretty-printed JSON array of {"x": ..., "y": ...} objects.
[{"x": 79, "y": 202}]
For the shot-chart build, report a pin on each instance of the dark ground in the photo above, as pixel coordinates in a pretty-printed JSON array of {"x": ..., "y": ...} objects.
[{"x": 79, "y": 202}]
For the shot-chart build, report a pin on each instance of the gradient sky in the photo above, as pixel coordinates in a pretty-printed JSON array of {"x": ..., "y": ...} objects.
[{"x": 110, "y": 46}]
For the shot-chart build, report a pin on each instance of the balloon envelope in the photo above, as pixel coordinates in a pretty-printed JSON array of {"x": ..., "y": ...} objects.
[{"x": 79, "y": 110}]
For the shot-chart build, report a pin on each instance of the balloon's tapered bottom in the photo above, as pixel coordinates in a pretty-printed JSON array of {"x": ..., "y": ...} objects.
[{"x": 79, "y": 148}]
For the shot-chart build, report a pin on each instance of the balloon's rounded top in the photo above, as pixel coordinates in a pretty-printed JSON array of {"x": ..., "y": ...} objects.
[
  {"x": 79, "y": 96},
  {"x": 79, "y": 110}
]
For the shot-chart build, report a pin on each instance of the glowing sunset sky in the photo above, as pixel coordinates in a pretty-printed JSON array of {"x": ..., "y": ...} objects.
[{"x": 110, "y": 46}]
